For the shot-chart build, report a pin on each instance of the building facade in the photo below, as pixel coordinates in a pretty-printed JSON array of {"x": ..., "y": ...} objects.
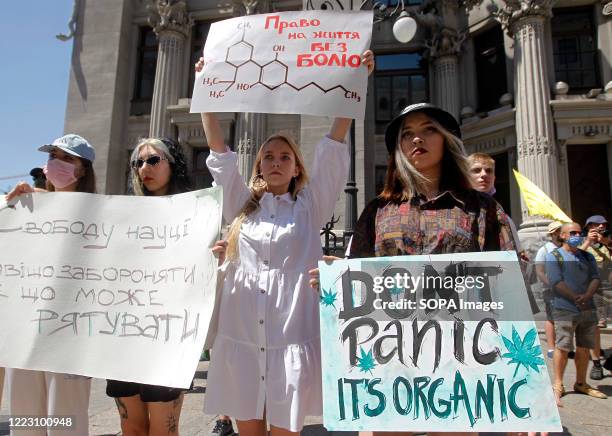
[{"x": 530, "y": 80}]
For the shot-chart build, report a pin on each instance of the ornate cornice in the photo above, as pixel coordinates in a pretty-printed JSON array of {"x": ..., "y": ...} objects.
[
  {"x": 469, "y": 4},
  {"x": 166, "y": 15},
  {"x": 514, "y": 11},
  {"x": 251, "y": 7},
  {"x": 446, "y": 42},
  {"x": 606, "y": 7},
  {"x": 72, "y": 24}
]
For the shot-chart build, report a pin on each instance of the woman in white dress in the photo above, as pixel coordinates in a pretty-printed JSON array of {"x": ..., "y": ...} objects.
[{"x": 266, "y": 363}]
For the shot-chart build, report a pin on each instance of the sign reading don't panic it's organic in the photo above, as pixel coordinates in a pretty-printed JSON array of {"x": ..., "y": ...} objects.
[{"x": 432, "y": 343}]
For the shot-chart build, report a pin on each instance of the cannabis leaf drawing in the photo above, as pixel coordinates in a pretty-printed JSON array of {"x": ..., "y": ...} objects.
[
  {"x": 366, "y": 362},
  {"x": 523, "y": 351},
  {"x": 328, "y": 298},
  {"x": 396, "y": 290}
]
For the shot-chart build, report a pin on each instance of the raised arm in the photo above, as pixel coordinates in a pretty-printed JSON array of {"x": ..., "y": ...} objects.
[
  {"x": 213, "y": 132},
  {"x": 212, "y": 128}
]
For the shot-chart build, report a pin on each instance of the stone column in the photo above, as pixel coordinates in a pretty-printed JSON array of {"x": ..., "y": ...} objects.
[
  {"x": 250, "y": 133},
  {"x": 525, "y": 21},
  {"x": 444, "y": 49},
  {"x": 537, "y": 152},
  {"x": 250, "y": 127},
  {"x": 172, "y": 24}
]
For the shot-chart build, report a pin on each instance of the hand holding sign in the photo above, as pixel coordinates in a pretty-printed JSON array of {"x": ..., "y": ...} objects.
[{"x": 261, "y": 63}]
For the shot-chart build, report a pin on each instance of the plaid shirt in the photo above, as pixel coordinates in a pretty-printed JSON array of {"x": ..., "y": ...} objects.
[{"x": 453, "y": 222}]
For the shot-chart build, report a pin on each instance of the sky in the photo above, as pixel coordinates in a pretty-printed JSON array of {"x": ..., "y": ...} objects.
[{"x": 33, "y": 83}]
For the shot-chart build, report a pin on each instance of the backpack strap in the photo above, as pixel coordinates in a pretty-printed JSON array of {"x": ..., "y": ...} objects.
[{"x": 559, "y": 258}]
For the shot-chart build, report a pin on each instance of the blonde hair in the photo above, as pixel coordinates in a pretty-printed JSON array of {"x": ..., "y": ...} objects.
[
  {"x": 258, "y": 187},
  {"x": 483, "y": 157},
  {"x": 403, "y": 181}
]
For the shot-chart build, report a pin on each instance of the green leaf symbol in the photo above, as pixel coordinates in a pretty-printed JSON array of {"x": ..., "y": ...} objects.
[
  {"x": 328, "y": 298},
  {"x": 396, "y": 291},
  {"x": 366, "y": 362},
  {"x": 523, "y": 352}
]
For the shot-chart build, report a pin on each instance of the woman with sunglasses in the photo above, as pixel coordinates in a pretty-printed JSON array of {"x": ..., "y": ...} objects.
[
  {"x": 158, "y": 168},
  {"x": 42, "y": 393},
  {"x": 266, "y": 363}
]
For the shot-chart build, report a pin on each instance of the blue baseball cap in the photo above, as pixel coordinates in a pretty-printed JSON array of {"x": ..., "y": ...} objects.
[
  {"x": 72, "y": 144},
  {"x": 596, "y": 219}
]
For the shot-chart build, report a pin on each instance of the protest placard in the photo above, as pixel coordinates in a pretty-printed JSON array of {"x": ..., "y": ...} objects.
[
  {"x": 432, "y": 343},
  {"x": 306, "y": 62},
  {"x": 118, "y": 287}
]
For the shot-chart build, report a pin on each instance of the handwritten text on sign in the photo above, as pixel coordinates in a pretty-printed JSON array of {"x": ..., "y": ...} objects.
[
  {"x": 85, "y": 278},
  {"x": 306, "y": 62},
  {"x": 393, "y": 360}
]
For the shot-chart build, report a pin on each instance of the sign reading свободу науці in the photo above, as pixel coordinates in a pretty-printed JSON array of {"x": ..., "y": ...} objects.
[
  {"x": 85, "y": 278},
  {"x": 432, "y": 343},
  {"x": 306, "y": 62}
]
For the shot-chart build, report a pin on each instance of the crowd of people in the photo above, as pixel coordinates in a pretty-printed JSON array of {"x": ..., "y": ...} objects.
[{"x": 265, "y": 364}]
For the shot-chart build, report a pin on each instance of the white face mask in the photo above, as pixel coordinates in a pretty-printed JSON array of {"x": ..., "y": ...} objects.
[{"x": 60, "y": 173}]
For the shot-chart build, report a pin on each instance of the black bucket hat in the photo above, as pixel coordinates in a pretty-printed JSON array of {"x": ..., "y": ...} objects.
[{"x": 440, "y": 115}]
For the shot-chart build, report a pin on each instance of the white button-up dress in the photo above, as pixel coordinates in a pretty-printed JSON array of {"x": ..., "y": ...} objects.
[{"x": 266, "y": 353}]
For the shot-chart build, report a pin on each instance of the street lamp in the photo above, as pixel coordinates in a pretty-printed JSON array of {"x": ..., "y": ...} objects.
[
  {"x": 405, "y": 25},
  {"x": 404, "y": 28}
]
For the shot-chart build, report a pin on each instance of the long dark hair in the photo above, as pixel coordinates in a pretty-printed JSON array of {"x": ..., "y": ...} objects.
[
  {"x": 86, "y": 183},
  {"x": 179, "y": 179}
]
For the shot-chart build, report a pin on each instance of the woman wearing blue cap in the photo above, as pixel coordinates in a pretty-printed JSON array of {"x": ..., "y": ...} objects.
[
  {"x": 69, "y": 168},
  {"x": 42, "y": 393}
]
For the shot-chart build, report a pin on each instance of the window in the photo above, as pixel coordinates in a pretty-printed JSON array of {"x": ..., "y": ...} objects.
[
  {"x": 575, "y": 48},
  {"x": 399, "y": 81},
  {"x": 145, "y": 74},
  {"x": 198, "y": 39},
  {"x": 589, "y": 181},
  {"x": 490, "y": 59},
  {"x": 201, "y": 177}
]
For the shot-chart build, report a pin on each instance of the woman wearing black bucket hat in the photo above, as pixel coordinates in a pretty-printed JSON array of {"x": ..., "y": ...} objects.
[
  {"x": 427, "y": 205},
  {"x": 428, "y": 187}
]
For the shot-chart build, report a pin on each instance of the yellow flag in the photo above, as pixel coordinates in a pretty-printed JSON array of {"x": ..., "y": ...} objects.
[{"x": 538, "y": 203}]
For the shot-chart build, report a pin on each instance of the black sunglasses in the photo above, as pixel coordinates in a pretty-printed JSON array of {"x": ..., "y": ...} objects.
[
  {"x": 574, "y": 233},
  {"x": 151, "y": 161}
]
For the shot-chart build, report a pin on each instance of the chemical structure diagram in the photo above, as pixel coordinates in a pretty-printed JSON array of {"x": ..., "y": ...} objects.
[{"x": 271, "y": 75}]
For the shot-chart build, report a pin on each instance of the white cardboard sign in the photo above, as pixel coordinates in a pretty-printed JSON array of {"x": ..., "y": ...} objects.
[
  {"x": 306, "y": 62},
  {"x": 116, "y": 287}
]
